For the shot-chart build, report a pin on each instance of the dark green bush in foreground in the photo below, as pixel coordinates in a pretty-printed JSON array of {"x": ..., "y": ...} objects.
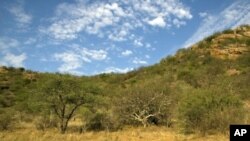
[
  {"x": 102, "y": 121},
  {"x": 210, "y": 111}
]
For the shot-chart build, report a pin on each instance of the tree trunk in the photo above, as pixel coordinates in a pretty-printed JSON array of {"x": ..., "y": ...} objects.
[
  {"x": 145, "y": 123},
  {"x": 64, "y": 128}
]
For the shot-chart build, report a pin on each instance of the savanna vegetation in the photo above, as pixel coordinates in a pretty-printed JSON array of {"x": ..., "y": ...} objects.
[{"x": 200, "y": 90}]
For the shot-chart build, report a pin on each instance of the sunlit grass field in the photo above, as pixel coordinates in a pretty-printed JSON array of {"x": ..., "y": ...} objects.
[{"x": 127, "y": 134}]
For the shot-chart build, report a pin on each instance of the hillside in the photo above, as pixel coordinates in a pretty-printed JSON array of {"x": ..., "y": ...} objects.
[{"x": 190, "y": 92}]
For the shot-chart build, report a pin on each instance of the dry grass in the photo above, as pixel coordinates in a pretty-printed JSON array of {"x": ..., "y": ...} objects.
[{"x": 128, "y": 134}]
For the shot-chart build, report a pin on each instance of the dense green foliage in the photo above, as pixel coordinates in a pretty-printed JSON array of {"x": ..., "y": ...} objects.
[
  {"x": 193, "y": 89},
  {"x": 210, "y": 110}
]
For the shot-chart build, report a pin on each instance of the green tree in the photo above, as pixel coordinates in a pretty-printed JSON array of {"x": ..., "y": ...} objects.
[{"x": 64, "y": 95}]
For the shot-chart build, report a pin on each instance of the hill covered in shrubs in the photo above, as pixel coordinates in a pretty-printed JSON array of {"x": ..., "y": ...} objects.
[{"x": 203, "y": 88}]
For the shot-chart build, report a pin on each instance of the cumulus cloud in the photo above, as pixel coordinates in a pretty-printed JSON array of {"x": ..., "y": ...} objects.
[
  {"x": 20, "y": 15},
  {"x": 234, "y": 15},
  {"x": 13, "y": 60},
  {"x": 93, "y": 54},
  {"x": 7, "y": 43},
  {"x": 138, "y": 42},
  {"x": 139, "y": 61},
  {"x": 116, "y": 70},
  {"x": 76, "y": 57},
  {"x": 114, "y": 19},
  {"x": 76, "y": 18},
  {"x": 10, "y": 59},
  {"x": 127, "y": 53},
  {"x": 148, "y": 45},
  {"x": 159, "y": 21},
  {"x": 119, "y": 35},
  {"x": 203, "y": 14},
  {"x": 30, "y": 41},
  {"x": 147, "y": 56},
  {"x": 71, "y": 61},
  {"x": 178, "y": 23}
]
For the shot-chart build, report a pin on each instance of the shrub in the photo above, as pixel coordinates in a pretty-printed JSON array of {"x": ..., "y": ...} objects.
[
  {"x": 102, "y": 121},
  {"x": 248, "y": 42},
  {"x": 7, "y": 121},
  {"x": 205, "y": 111},
  {"x": 228, "y": 31},
  {"x": 45, "y": 122},
  {"x": 228, "y": 41},
  {"x": 7, "y": 98},
  {"x": 210, "y": 38},
  {"x": 188, "y": 77},
  {"x": 204, "y": 44},
  {"x": 145, "y": 105}
]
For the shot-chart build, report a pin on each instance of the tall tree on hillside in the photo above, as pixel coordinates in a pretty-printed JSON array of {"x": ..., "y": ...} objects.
[{"x": 64, "y": 95}]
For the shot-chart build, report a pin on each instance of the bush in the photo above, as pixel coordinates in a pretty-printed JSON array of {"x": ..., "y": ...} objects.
[
  {"x": 188, "y": 77},
  {"x": 228, "y": 31},
  {"x": 248, "y": 42},
  {"x": 7, "y": 99},
  {"x": 229, "y": 41},
  {"x": 7, "y": 121},
  {"x": 204, "y": 44},
  {"x": 205, "y": 111},
  {"x": 45, "y": 122},
  {"x": 210, "y": 38},
  {"x": 102, "y": 121},
  {"x": 145, "y": 105}
]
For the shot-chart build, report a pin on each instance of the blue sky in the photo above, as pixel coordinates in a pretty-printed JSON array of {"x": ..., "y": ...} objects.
[{"x": 87, "y": 37}]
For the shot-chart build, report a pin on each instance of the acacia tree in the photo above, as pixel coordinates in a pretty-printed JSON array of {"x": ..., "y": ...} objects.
[{"x": 64, "y": 96}]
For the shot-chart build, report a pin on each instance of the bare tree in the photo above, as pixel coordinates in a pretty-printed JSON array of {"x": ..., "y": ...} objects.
[{"x": 145, "y": 106}]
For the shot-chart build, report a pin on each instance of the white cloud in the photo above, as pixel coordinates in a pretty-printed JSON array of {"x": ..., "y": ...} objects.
[
  {"x": 148, "y": 45},
  {"x": 119, "y": 35},
  {"x": 93, "y": 54},
  {"x": 138, "y": 42},
  {"x": 234, "y": 15},
  {"x": 116, "y": 8},
  {"x": 22, "y": 17},
  {"x": 74, "y": 59},
  {"x": 114, "y": 19},
  {"x": 71, "y": 61},
  {"x": 147, "y": 56},
  {"x": 10, "y": 59},
  {"x": 178, "y": 23},
  {"x": 230, "y": 15},
  {"x": 159, "y": 21},
  {"x": 203, "y": 14},
  {"x": 127, "y": 52},
  {"x": 182, "y": 13},
  {"x": 76, "y": 18},
  {"x": 13, "y": 60},
  {"x": 139, "y": 61},
  {"x": 30, "y": 41},
  {"x": 7, "y": 43},
  {"x": 116, "y": 70}
]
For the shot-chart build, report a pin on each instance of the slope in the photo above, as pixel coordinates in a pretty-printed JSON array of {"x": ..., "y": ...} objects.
[{"x": 215, "y": 70}]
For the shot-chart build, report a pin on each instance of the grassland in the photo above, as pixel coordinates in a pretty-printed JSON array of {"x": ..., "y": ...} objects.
[{"x": 127, "y": 134}]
